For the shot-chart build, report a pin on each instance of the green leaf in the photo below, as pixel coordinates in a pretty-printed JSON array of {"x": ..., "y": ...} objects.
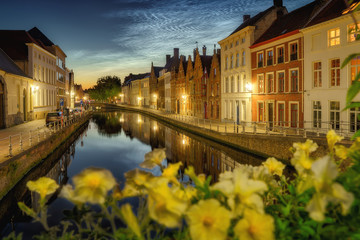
[
  {"x": 307, "y": 231},
  {"x": 352, "y": 105},
  {"x": 352, "y": 92},
  {"x": 357, "y": 134},
  {"x": 348, "y": 59}
]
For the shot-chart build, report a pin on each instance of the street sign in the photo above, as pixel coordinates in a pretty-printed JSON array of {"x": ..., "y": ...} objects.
[{"x": 61, "y": 102}]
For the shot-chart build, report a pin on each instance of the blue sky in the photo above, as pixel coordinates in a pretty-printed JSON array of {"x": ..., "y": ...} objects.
[{"x": 118, "y": 37}]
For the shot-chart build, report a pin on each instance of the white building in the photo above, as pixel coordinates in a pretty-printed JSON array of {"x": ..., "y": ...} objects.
[
  {"x": 236, "y": 65},
  {"x": 328, "y": 40}
]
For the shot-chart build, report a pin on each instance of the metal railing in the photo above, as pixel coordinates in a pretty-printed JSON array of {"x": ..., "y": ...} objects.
[{"x": 17, "y": 143}]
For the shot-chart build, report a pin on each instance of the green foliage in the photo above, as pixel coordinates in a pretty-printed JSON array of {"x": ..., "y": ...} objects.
[{"x": 106, "y": 88}]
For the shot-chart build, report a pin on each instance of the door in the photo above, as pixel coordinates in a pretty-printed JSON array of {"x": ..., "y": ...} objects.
[
  {"x": 271, "y": 115},
  {"x": 24, "y": 104},
  {"x": 237, "y": 113},
  {"x": 294, "y": 114},
  {"x": 2, "y": 111}
]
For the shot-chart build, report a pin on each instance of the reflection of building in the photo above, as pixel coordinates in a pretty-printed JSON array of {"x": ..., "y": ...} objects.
[{"x": 236, "y": 64}]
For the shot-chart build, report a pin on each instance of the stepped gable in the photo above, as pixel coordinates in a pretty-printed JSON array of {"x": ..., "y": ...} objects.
[
  {"x": 252, "y": 21},
  {"x": 8, "y": 65},
  {"x": 330, "y": 10},
  {"x": 206, "y": 62},
  {"x": 289, "y": 22},
  {"x": 13, "y": 43}
]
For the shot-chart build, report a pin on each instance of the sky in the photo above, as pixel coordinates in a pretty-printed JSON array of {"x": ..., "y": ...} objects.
[{"x": 119, "y": 37}]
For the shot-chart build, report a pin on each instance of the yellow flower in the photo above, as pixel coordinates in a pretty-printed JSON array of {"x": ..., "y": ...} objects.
[
  {"x": 153, "y": 158},
  {"x": 274, "y": 166},
  {"x": 138, "y": 177},
  {"x": 68, "y": 192},
  {"x": 184, "y": 193},
  {"x": 208, "y": 220},
  {"x": 341, "y": 151},
  {"x": 164, "y": 207},
  {"x": 130, "y": 190},
  {"x": 301, "y": 159},
  {"x": 242, "y": 191},
  {"x": 172, "y": 171},
  {"x": 255, "y": 226},
  {"x": 324, "y": 173},
  {"x": 130, "y": 219},
  {"x": 198, "y": 180},
  {"x": 332, "y": 138},
  {"x": 92, "y": 185},
  {"x": 44, "y": 186}
]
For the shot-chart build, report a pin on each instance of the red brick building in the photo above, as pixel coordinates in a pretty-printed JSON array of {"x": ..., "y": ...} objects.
[
  {"x": 277, "y": 71},
  {"x": 214, "y": 88}
]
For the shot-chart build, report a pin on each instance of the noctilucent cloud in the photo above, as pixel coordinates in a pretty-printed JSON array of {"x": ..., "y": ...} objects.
[{"x": 118, "y": 37}]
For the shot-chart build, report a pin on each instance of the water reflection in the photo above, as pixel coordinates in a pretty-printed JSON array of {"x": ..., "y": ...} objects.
[{"x": 205, "y": 156}]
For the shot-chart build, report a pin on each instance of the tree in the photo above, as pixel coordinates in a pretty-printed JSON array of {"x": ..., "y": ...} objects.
[{"x": 106, "y": 88}]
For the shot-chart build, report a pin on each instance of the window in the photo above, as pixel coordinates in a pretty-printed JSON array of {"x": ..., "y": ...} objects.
[
  {"x": 237, "y": 60},
  {"x": 260, "y": 59},
  {"x": 317, "y": 74},
  {"x": 232, "y": 85},
  {"x": 238, "y": 84},
  {"x": 316, "y": 114},
  {"x": 237, "y": 42},
  {"x": 335, "y": 115},
  {"x": 293, "y": 51},
  {"x": 226, "y": 63},
  {"x": 354, "y": 119},
  {"x": 335, "y": 72},
  {"x": 281, "y": 114},
  {"x": 260, "y": 111},
  {"x": 280, "y": 55},
  {"x": 269, "y": 60},
  {"x": 243, "y": 58},
  {"x": 270, "y": 82},
  {"x": 244, "y": 84},
  {"x": 243, "y": 40},
  {"x": 354, "y": 67},
  {"x": 260, "y": 81},
  {"x": 354, "y": 32},
  {"x": 281, "y": 81},
  {"x": 294, "y": 77},
  {"x": 227, "y": 85},
  {"x": 334, "y": 37},
  {"x": 231, "y": 45},
  {"x": 294, "y": 110},
  {"x": 232, "y": 61}
]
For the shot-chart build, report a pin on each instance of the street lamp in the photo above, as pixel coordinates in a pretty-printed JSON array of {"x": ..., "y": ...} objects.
[{"x": 248, "y": 87}]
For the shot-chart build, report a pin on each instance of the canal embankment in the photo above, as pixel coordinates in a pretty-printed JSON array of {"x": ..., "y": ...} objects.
[
  {"x": 262, "y": 144},
  {"x": 14, "y": 168}
]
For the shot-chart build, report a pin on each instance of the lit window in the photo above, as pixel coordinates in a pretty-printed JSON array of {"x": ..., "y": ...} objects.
[
  {"x": 354, "y": 32},
  {"x": 260, "y": 80},
  {"x": 334, "y": 37},
  {"x": 317, "y": 74},
  {"x": 335, "y": 72},
  {"x": 354, "y": 67}
]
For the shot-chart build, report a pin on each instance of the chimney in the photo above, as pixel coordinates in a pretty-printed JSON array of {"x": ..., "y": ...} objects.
[
  {"x": 176, "y": 53},
  {"x": 247, "y": 17},
  {"x": 167, "y": 58},
  {"x": 204, "y": 50},
  {"x": 278, "y": 3},
  {"x": 214, "y": 49}
]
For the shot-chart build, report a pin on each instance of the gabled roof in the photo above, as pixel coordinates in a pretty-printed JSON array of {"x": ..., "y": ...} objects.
[
  {"x": 40, "y": 37},
  {"x": 290, "y": 22},
  {"x": 13, "y": 43},
  {"x": 252, "y": 21},
  {"x": 330, "y": 10},
  {"x": 8, "y": 65}
]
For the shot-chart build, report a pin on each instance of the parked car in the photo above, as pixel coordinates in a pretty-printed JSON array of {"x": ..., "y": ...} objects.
[{"x": 52, "y": 117}]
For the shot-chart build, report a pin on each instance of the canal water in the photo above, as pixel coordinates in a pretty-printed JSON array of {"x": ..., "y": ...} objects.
[{"x": 117, "y": 141}]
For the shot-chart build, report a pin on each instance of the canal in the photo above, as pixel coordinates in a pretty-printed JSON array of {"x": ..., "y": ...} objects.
[{"x": 117, "y": 141}]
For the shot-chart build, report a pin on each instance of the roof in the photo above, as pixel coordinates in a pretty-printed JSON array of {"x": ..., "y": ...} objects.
[
  {"x": 330, "y": 10},
  {"x": 132, "y": 77},
  {"x": 157, "y": 71},
  {"x": 252, "y": 21},
  {"x": 290, "y": 22},
  {"x": 40, "y": 37},
  {"x": 13, "y": 43},
  {"x": 206, "y": 62},
  {"x": 8, "y": 65}
]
